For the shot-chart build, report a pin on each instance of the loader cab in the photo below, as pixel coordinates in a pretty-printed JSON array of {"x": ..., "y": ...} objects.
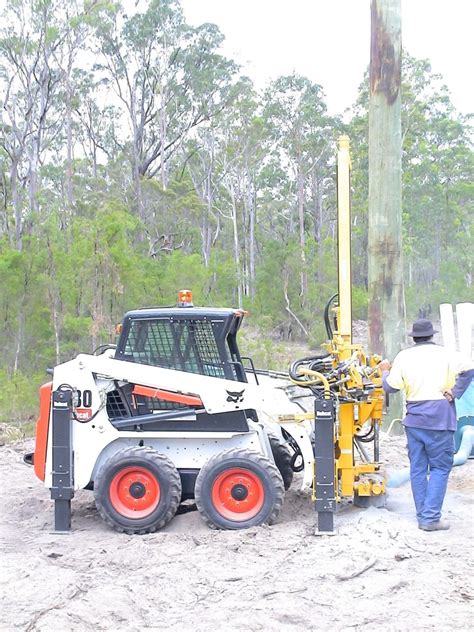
[{"x": 191, "y": 339}]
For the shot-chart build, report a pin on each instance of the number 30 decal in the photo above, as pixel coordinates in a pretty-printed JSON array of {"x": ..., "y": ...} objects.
[{"x": 84, "y": 399}]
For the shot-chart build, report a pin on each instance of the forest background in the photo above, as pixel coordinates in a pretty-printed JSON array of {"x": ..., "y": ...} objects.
[{"x": 136, "y": 160}]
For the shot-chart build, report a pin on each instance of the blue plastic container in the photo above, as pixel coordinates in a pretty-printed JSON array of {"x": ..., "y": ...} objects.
[{"x": 465, "y": 414}]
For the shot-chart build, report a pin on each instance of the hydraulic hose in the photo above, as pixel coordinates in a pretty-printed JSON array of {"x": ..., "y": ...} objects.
[
  {"x": 306, "y": 377},
  {"x": 327, "y": 320},
  {"x": 368, "y": 436},
  {"x": 398, "y": 478},
  {"x": 465, "y": 448},
  {"x": 294, "y": 457},
  {"x": 315, "y": 362},
  {"x": 101, "y": 348}
]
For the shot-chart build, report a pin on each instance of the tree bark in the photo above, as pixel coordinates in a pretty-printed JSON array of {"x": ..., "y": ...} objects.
[
  {"x": 300, "y": 196},
  {"x": 385, "y": 268},
  {"x": 69, "y": 140},
  {"x": 16, "y": 203},
  {"x": 252, "y": 248},
  {"x": 236, "y": 247}
]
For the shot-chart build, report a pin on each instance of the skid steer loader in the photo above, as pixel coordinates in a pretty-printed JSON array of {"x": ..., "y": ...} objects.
[{"x": 174, "y": 412}]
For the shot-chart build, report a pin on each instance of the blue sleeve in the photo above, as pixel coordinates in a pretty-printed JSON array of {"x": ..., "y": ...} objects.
[
  {"x": 462, "y": 382},
  {"x": 386, "y": 386}
]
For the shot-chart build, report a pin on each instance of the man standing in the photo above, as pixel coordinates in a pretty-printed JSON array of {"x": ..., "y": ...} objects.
[{"x": 431, "y": 378}]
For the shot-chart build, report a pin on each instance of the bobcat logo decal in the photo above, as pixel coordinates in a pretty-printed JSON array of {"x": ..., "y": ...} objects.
[{"x": 236, "y": 397}]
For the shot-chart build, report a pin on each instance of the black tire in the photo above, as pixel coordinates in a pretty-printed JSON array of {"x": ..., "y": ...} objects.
[
  {"x": 137, "y": 490},
  {"x": 239, "y": 488},
  {"x": 282, "y": 458}
]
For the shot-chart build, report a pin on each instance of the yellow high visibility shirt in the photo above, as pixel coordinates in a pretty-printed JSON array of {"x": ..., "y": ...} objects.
[{"x": 425, "y": 371}]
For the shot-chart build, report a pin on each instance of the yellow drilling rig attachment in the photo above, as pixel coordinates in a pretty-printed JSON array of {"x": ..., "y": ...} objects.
[{"x": 348, "y": 390}]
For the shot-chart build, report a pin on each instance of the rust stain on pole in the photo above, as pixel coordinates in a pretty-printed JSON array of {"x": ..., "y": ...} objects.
[{"x": 385, "y": 63}]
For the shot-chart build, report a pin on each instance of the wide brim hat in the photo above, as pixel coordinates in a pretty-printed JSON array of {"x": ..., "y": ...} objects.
[{"x": 422, "y": 328}]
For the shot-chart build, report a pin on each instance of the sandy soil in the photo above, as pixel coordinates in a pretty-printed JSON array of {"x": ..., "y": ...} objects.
[{"x": 379, "y": 571}]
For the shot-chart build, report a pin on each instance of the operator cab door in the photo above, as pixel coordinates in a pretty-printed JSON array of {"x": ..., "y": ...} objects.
[
  {"x": 189, "y": 340},
  {"x": 192, "y": 340}
]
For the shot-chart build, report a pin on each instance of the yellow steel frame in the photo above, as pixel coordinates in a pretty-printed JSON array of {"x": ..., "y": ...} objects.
[
  {"x": 363, "y": 478},
  {"x": 351, "y": 416}
]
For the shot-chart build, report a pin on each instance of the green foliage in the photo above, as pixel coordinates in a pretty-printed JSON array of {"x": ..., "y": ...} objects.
[
  {"x": 359, "y": 303},
  {"x": 181, "y": 271},
  {"x": 266, "y": 352},
  {"x": 18, "y": 396}
]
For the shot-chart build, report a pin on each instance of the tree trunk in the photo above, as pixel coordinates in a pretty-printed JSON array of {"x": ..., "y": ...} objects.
[
  {"x": 204, "y": 187},
  {"x": 19, "y": 340},
  {"x": 21, "y": 321},
  {"x": 16, "y": 203},
  {"x": 303, "y": 272},
  {"x": 54, "y": 301},
  {"x": 386, "y": 295},
  {"x": 37, "y": 137},
  {"x": 317, "y": 190},
  {"x": 236, "y": 247},
  {"x": 163, "y": 139},
  {"x": 252, "y": 221},
  {"x": 137, "y": 154},
  {"x": 33, "y": 173},
  {"x": 69, "y": 141},
  {"x": 206, "y": 227}
]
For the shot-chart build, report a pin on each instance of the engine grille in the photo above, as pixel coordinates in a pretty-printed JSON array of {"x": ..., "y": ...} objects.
[{"x": 116, "y": 409}]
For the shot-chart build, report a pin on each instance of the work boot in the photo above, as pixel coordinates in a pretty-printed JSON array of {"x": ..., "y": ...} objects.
[{"x": 441, "y": 525}]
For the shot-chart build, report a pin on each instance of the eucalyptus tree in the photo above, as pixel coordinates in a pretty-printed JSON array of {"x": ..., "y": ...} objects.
[
  {"x": 302, "y": 134},
  {"x": 168, "y": 78},
  {"x": 29, "y": 37},
  {"x": 242, "y": 161},
  {"x": 438, "y": 164},
  {"x": 226, "y": 161},
  {"x": 95, "y": 123},
  {"x": 79, "y": 17},
  {"x": 200, "y": 163}
]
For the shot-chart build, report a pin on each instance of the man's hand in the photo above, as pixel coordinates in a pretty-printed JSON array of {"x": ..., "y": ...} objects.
[
  {"x": 449, "y": 395},
  {"x": 385, "y": 365}
]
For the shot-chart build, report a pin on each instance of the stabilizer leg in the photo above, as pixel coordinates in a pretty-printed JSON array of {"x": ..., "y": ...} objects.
[
  {"x": 325, "y": 501},
  {"x": 62, "y": 490}
]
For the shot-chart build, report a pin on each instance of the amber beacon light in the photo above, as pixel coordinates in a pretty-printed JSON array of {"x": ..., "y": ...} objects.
[{"x": 185, "y": 298}]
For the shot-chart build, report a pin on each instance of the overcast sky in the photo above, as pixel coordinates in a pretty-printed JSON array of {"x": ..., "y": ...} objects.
[{"x": 328, "y": 41}]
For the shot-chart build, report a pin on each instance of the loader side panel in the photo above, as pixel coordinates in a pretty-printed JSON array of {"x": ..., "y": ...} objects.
[{"x": 42, "y": 427}]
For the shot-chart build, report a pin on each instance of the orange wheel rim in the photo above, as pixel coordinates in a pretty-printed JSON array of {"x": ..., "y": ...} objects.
[
  {"x": 238, "y": 494},
  {"x": 134, "y": 492}
]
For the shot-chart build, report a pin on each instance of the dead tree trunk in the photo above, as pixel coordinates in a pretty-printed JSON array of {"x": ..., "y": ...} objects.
[{"x": 386, "y": 295}]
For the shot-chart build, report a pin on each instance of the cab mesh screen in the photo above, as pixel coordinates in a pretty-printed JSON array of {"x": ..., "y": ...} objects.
[{"x": 183, "y": 345}]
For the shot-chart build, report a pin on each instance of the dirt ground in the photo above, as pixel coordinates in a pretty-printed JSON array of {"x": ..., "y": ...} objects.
[{"x": 379, "y": 571}]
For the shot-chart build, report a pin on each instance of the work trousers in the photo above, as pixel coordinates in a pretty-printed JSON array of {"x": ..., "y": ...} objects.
[{"x": 431, "y": 459}]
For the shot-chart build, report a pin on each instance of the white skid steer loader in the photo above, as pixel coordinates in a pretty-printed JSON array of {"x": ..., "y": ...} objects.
[{"x": 167, "y": 415}]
